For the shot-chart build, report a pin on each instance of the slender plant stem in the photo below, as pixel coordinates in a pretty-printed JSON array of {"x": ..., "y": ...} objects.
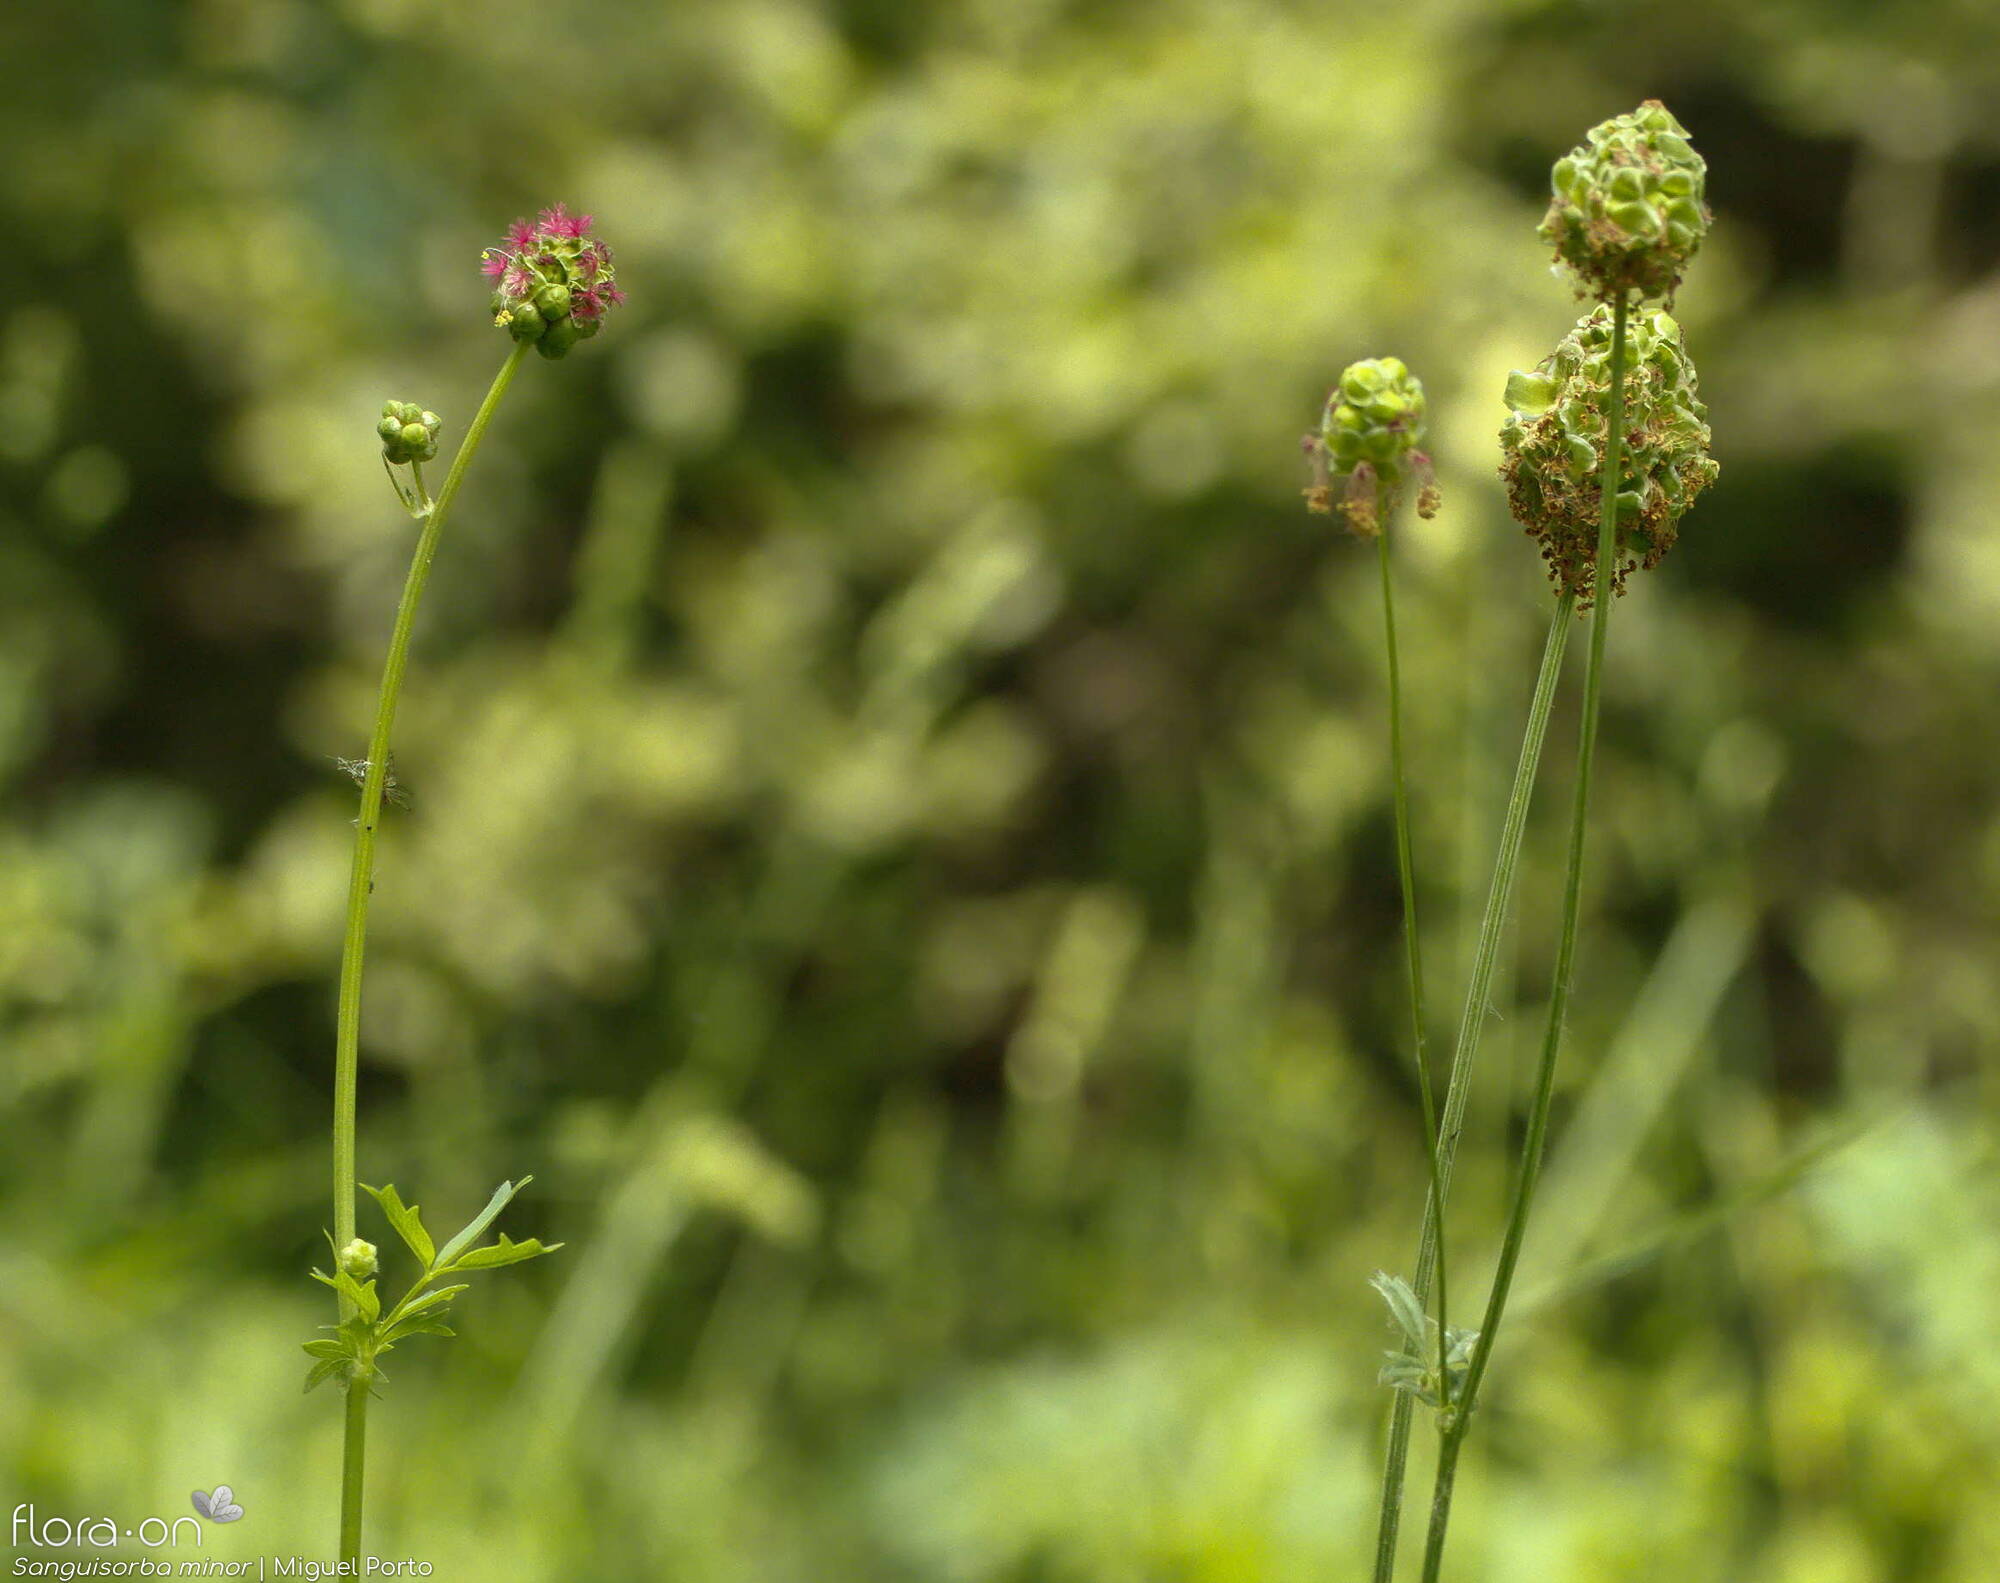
[
  {"x": 1559, "y": 992},
  {"x": 1465, "y": 1050},
  {"x": 361, "y": 881},
  {"x": 353, "y": 1462},
  {"x": 1413, "y": 955}
]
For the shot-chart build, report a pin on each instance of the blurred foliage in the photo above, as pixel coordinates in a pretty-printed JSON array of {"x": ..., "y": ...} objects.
[{"x": 900, "y": 829}]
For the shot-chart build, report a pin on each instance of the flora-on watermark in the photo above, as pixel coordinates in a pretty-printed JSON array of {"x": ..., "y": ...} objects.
[
  {"x": 56, "y": 1532},
  {"x": 32, "y": 1530}
]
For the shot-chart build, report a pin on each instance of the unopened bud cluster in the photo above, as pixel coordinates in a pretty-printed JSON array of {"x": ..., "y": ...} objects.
[
  {"x": 1366, "y": 449},
  {"x": 409, "y": 433},
  {"x": 358, "y": 1259},
  {"x": 1554, "y": 437},
  {"x": 553, "y": 281},
  {"x": 1628, "y": 211}
]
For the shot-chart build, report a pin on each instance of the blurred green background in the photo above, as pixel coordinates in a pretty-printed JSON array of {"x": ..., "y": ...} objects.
[{"x": 900, "y": 844}]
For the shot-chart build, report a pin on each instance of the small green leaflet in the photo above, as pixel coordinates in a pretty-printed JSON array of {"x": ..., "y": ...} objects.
[
  {"x": 505, "y": 1251},
  {"x": 480, "y": 1221},
  {"x": 1403, "y": 1308},
  {"x": 403, "y": 1217},
  {"x": 323, "y": 1371}
]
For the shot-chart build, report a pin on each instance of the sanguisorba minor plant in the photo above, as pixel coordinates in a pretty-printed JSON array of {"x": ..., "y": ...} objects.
[
  {"x": 1605, "y": 447},
  {"x": 553, "y": 285},
  {"x": 1364, "y": 457}
]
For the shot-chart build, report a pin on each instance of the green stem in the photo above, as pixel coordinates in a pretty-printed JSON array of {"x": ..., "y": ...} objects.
[
  {"x": 1559, "y": 993},
  {"x": 1465, "y": 1050},
  {"x": 361, "y": 882},
  {"x": 1413, "y": 956},
  {"x": 354, "y": 1457}
]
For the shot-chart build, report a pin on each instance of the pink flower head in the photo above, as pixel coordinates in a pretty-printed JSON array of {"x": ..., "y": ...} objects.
[{"x": 553, "y": 281}]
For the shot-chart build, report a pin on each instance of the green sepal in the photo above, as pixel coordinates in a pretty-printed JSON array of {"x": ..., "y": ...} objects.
[
  {"x": 522, "y": 321},
  {"x": 1530, "y": 394},
  {"x": 558, "y": 338}
]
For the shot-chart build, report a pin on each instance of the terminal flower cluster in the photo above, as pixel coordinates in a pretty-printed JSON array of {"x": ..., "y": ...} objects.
[
  {"x": 1553, "y": 442},
  {"x": 1628, "y": 212},
  {"x": 553, "y": 281},
  {"x": 1367, "y": 445}
]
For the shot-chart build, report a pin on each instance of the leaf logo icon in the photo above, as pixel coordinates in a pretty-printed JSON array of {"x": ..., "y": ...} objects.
[{"x": 219, "y": 1507}]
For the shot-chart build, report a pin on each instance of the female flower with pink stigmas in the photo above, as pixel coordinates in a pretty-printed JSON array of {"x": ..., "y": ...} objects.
[{"x": 554, "y": 282}]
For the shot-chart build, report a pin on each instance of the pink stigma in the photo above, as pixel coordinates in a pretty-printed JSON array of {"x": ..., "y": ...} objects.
[{"x": 558, "y": 221}]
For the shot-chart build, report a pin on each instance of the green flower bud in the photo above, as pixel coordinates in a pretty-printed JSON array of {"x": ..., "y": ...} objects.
[
  {"x": 358, "y": 1259},
  {"x": 1553, "y": 446},
  {"x": 408, "y": 432},
  {"x": 558, "y": 338},
  {"x": 1367, "y": 441},
  {"x": 522, "y": 320},
  {"x": 1627, "y": 212}
]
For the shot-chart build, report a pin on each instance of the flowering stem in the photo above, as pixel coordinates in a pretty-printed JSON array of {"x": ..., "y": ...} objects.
[
  {"x": 361, "y": 881},
  {"x": 1413, "y": 956},
  {"x": 1465, "y": 1050},
  {"x": 1559, "y": 991}
]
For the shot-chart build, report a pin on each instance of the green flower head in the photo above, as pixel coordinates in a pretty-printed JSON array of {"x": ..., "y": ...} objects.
[
  {"x": 1367, "y": 445},
  {"x": 1553, "y": 443},
  {"x": 1627, "y": 213},
  {"x": 408, "y": 432}
]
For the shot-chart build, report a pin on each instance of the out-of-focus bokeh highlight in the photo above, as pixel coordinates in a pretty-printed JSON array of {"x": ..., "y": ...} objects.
[{"x": 900, "y": 835}]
